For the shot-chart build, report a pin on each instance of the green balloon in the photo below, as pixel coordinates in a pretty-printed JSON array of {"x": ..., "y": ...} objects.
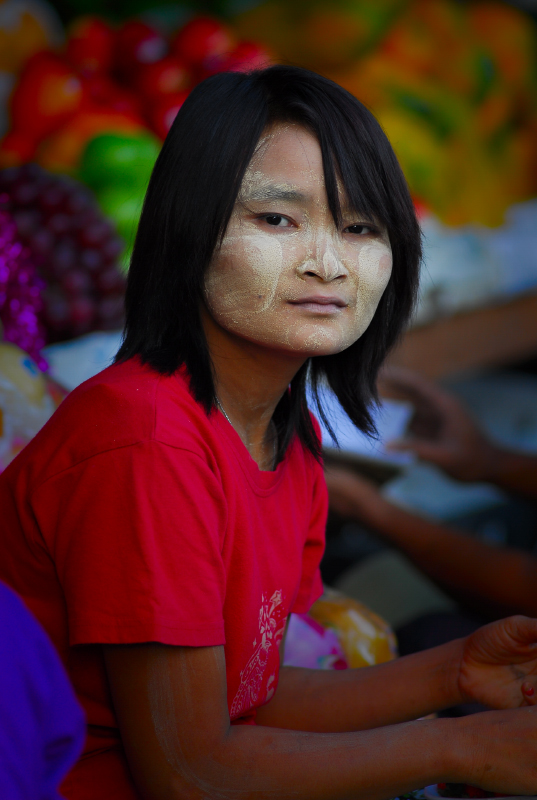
[
  {"x": 111, "y": 158},
  {"x": 125, "y": 260},
  {"x": 123, "y": 205}
]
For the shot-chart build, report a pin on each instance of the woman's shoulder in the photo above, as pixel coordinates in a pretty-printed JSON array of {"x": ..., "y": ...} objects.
[
  {"x": 121, "y": 403},
  {"x": 131, "y": 393},
  {"x": 124, "y": 405}
]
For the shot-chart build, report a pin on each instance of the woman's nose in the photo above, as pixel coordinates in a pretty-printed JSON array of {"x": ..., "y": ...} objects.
[{"x": 323, "y": 262}]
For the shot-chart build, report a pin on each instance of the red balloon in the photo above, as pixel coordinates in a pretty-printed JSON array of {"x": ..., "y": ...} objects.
[
  {"x": 17, "y": 147},
  {"x": 247, "y": 56},
  {"x": 163, "y": 77},
  {"x": 47, "y": 95},
  {"x": 103, "y": 92},
  {"x": 138, "y": 44},
  {"x": 163, "y": 112},
  {"x": 202, "y": 38},
  {"x": 90, "y": 48}
]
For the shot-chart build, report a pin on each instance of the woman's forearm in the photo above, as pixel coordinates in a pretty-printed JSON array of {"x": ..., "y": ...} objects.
[
  {"x": 171, "y": 708},
  {"x": 515, "y": 472},
  {"x": 368, "y": 765},
  {"x": 495, "y": 750},
  {"x": 356, "y": 699},
  {"x": 505, "y": 579}
]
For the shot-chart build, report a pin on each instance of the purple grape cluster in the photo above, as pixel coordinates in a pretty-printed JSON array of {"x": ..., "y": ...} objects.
[
  {"x": 75, "y": 247},
  {"x": 20, "y": 293}
]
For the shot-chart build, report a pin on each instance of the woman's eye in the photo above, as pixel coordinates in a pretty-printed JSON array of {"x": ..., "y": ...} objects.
[
  {"x": 360, "y": 230},
  {"x": 276, "y": 220}
]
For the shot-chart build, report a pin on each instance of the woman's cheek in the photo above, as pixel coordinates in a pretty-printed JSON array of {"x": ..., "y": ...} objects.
[
  {"x": 375, "y": 266},
  {"x": 264, "y": 258},
  {"x": 243, "y": 280}
]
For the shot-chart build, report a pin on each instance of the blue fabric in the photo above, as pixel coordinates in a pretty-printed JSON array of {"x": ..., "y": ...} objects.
[{"x": 41, "y": 723}]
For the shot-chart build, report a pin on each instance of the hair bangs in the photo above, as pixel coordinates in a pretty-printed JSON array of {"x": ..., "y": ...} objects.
[{"x": 349, "y": 138}]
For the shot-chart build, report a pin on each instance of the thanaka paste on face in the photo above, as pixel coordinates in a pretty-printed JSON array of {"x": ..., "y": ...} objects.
[{"x": 259, "y": 271}]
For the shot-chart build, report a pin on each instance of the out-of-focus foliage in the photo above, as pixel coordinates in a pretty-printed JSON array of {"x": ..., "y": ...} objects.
[{"x": 454, "y": 86}]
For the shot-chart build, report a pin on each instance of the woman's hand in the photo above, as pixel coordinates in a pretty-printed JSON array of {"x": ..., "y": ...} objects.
[
  {"x": 497, "y": 750},
  {"x": 498, "y": 666}
]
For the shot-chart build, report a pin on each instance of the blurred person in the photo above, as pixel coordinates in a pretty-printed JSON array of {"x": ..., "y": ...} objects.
[
  {"x": 485, "y": 579},
  {"x": 41, "y": 723}
]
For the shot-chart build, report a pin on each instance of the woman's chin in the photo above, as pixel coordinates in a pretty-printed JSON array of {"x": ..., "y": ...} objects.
[{"x": 318, "y": 346}]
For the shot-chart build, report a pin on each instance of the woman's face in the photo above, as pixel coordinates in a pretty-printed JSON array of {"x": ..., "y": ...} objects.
[{"x": 285, "y": 277}]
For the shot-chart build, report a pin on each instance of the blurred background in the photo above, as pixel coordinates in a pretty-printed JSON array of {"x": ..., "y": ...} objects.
[{"x": 88, "y": 91}]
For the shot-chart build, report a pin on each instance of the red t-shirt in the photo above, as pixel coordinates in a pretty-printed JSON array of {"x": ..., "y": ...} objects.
[{"x": 133, "y": 517}]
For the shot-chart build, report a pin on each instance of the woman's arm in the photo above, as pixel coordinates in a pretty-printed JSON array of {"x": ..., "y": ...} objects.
[
  {"x": 493, "y": 580},
  {"x": 352, "y": 700},
  {"x": 172, "y": 712},
  {"x": 515, "y": 472}
]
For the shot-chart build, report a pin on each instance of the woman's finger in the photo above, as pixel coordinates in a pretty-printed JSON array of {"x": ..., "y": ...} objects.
[{"x": 528, "y": 693}]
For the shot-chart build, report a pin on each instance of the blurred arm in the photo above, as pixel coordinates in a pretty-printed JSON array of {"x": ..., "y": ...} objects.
[{"x": 489, "y": 579}]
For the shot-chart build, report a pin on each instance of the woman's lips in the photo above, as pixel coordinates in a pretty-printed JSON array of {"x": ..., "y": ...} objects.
[{"x": 319, "y": 304}]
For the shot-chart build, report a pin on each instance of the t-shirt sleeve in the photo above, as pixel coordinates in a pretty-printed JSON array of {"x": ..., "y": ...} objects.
[
  {"x": 137, "y": 546},
  {"x": 311, "y": 587}
]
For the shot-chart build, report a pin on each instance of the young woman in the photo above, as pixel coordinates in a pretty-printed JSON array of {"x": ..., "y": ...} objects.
[{"x": 170, "y": 516}]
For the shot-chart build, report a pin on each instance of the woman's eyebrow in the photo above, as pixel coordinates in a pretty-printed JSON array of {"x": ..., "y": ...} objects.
[{"x": 272, "y": 192}]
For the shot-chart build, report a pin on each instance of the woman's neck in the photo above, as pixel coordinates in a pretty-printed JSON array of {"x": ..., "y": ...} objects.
[
  {"x": 249, "y": 383},
  {"x": 263, "y": 451}
]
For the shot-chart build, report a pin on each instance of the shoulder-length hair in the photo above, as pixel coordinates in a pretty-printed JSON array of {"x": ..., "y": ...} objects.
[{"x": 189, "y": 201}]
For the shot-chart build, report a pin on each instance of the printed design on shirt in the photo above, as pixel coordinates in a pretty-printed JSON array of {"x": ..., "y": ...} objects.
[{"x": 272, "y": 619}]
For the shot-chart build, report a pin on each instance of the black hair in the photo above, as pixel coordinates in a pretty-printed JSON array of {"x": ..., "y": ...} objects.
[{"x": 188, "y": 204}]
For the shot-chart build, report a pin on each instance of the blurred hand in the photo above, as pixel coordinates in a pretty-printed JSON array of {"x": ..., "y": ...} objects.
[{"x": 441, "y": 430}]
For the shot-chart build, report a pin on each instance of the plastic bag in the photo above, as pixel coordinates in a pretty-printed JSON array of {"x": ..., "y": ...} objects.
[
  {"x": 26, "y": 401},
  {"x": 365, "y": 637}
]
